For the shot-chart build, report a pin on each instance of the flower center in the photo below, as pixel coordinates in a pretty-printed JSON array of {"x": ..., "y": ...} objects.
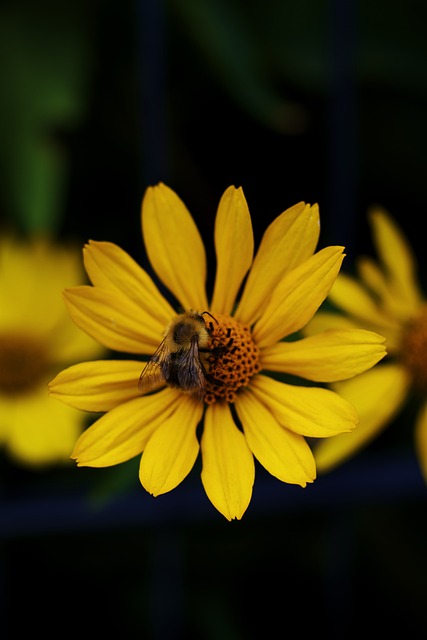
[
  {"x": 22, "y": 363},
  {"x": 414, "y": 349},
  {"x": 232, "y": 361}
]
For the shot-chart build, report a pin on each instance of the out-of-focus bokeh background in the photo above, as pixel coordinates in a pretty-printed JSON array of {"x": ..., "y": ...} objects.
[{"x": 321, "y": 100}]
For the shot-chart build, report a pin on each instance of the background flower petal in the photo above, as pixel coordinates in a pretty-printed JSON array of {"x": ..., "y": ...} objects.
[
  {"x": 67, "y": 343},
  {"x": 32, "y": 276},
  {"x": 123, "y": 432},
  {"x": 174, "y": 246},
  {"x": 377, "y": 396},
  {"x": 325, "y": 320},
  {"x": 172, "y": 450},
  {"x": 286, "y": 455},
  {"x": 289, "y": 240},
  {"x": 113, "y": 319},
  {"x": 350, "y": 296},
  {"x": 40, "y": 429},
  {"x": 378, "y": 282},
  {"x": 397, "y": 257},
  {"x": 228, "y": 471},
  {"x": 234, "y": 245},
  {"x": 309, "y": 411},
  {"x": 99, "y": 385},
  {"x": 298, "y": 296},
  {"x": 328, "y": 356}
]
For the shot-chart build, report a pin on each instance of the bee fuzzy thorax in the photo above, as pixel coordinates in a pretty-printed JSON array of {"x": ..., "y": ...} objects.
[
  {"x": 179, "y": 360},
  {"x": 185, "y": 328}
]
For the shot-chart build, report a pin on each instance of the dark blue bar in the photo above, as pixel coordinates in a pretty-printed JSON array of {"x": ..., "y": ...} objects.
[{"x": 391, "y": 478}]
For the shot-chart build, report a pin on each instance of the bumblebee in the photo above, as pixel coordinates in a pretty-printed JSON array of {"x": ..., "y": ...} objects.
[{"x": 180, "y": 359}]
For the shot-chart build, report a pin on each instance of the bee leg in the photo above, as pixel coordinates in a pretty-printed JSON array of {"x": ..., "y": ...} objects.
[
  {"x": 210, "y": 378},
  {"x": 215, "y": 351},
  {"x": 224, "y": 348},
  {"x": 230, "y": 341}
]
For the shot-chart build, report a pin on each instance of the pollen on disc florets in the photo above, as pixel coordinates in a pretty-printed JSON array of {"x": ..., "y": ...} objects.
[
  {"x": 232, "y": 360},
  {"x": 414, "y": 350}
]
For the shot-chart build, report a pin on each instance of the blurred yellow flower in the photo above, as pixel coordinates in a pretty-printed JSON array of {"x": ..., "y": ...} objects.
[
  {"x": 37, "y": 339},
  {"x": 384, "y": 296},
  {"x": 242, "y": 412}
]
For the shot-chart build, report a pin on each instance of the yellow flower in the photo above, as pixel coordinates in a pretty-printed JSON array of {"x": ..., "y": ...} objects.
[
  {"x": 383, "y": 296},
  {"x": 244, "y": 412},
  {"x": 37, "y": 339}
]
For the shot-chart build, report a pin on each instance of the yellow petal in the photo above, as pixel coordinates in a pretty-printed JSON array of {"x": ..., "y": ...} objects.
[
  {"x": 309, "y": 411},
  {"x": 172, "y": 450},
  {"x": 123, "y": 432},
  {"x": 286, "y": 455},
  {"x": 99, "y": 385},
  {"x": 298, "y": 296},
  {"x": 228, "y": 472},
  {"x": 327, "y": 357},
  {"x": 289, "y": 240},
  {"x": 378, "y": 282},
  {"x": 67, "y": 343},
  {"x": 421, "y": 439},
  {"x": 325, "y": 320},
  {"x": 351, "y": 297},
  {"x": 113, "y": 319},
  {"x": 40, "y": 430},
  {"x": 396, "y": 256},
  {"x": 234, "y": 245},
  {"x": 174, "y": 246},
  {"x": 372, "y": 276},
  {"x": 109, "y": 267},
  {"x": 32, "y": 276},
  {"x": 377, "y": 396}
]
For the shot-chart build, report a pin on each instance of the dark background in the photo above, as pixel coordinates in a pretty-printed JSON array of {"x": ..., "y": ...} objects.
[{"x": 321, "y": 101}]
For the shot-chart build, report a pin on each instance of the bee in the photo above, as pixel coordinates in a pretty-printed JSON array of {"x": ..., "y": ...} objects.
[{"x": 179, "y": 360}]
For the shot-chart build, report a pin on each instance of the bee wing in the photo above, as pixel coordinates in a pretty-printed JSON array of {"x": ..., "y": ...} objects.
[
  {"x": 152, "y": 377},
  {"x": 191, "y": 372}
]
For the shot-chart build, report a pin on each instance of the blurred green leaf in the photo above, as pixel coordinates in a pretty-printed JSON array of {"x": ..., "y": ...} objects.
[
  {"x": 113, "y": 482},
  {"x": 44, "y": 69},
  {"x": 230, "y": 43}
]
